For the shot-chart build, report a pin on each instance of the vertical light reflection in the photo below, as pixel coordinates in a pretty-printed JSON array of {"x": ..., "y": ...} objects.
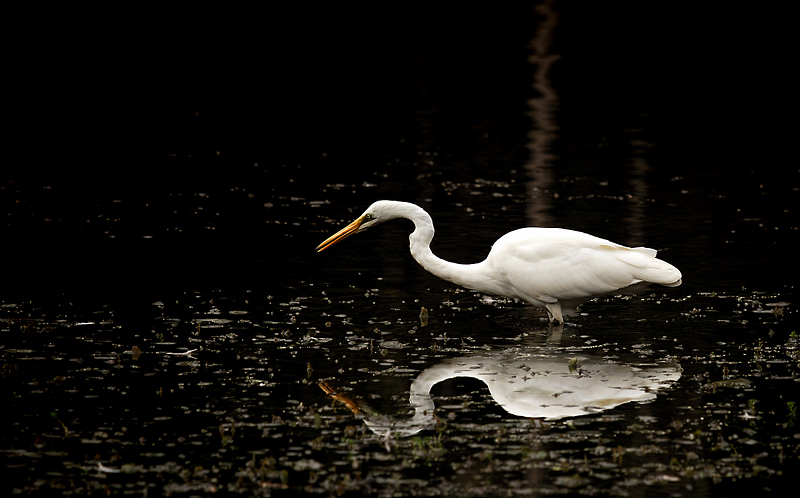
[
  {"x": 638, "y": 192},
  {"x": 542, "y": 113}
]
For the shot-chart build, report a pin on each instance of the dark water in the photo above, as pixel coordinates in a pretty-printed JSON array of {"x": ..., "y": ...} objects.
[{"x": 168, "y": 329}]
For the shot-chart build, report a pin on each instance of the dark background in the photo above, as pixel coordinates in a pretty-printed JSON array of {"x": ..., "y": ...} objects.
[{"x": 131, "y": 132}]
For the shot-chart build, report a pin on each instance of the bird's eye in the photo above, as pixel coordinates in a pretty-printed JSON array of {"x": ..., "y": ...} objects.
[{"x": 369, "y": 217}]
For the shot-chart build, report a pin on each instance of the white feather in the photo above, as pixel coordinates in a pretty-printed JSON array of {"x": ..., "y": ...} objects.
[{"x": 547, "y": 267}]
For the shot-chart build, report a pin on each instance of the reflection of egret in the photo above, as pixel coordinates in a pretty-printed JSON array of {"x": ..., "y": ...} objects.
[
  {"x": 526, "y": 383},
  {"x": 547, "y": 267}
]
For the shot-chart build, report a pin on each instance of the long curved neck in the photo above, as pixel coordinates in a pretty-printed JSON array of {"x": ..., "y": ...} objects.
[{"x": 468, "y": 276}]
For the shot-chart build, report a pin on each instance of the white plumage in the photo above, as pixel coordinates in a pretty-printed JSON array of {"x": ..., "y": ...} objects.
[{"x": 552, "y": 268}]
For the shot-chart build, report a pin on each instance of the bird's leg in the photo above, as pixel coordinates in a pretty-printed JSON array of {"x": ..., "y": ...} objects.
[{"x": 554, "y": 312}]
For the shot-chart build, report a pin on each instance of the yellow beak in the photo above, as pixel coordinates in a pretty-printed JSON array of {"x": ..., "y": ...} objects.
[{"x": 340, "y": 235}]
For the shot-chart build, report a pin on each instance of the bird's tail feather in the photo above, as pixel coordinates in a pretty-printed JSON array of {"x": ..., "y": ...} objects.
[{"x": 660, "y": 272}]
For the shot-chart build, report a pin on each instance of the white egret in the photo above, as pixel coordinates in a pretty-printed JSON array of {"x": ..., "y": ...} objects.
[{"x": 548, "y": 267}]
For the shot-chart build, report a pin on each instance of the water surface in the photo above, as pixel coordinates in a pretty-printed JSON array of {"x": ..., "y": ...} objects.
[{"x": 166, "y": 327}]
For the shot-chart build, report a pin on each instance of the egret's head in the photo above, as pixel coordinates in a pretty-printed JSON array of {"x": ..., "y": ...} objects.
[{"x": 374, "y": 215}]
